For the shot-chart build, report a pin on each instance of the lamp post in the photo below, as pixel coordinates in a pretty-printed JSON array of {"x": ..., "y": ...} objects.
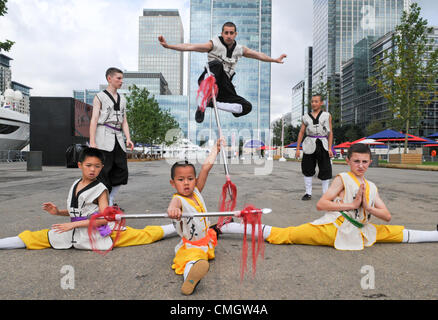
[{"x": 282, "y": 159}]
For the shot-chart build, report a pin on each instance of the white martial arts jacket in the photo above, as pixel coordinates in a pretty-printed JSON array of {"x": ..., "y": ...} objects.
[
  {"x": 109, "y": 124},
  {"x": 192, "y": 229},
  {"x": 348, "y": 236},
  {"x": 228, "y": 57},
  {"x": 318, "y": 128},
  {"x": 80, "y": 207}
]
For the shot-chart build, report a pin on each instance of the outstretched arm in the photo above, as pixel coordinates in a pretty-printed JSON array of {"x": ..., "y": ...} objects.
[
  {"x": 200, "y": 47},
  {"x": 261, "y": 56},
  {"x": 208, "y": 164},
  {"x": 102, "y": 201}
]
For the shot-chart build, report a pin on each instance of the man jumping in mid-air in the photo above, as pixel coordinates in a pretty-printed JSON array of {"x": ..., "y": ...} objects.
[{"x": 223, "y": 54}]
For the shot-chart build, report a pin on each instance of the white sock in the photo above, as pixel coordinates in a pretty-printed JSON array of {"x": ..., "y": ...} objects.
[
  {"x": 308, "y": 185},
  {"x": 239, "y": 228},
  {"x": 112, "y": 195},
  {"x": 189, "y": 266},
  {"x": 169, "y": 230},
  {"x": 12, "y": 243},
  {"x": 230, "y": 107},
  {"x": 416, "y": 236},
  {"x": 325, "y": 185}
]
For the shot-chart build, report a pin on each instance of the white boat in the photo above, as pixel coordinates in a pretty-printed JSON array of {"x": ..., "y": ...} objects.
[{"x": 14, "y": 129}]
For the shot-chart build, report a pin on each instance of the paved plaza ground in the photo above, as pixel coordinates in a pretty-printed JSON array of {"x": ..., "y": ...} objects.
[{"x": 288, "y": 272}]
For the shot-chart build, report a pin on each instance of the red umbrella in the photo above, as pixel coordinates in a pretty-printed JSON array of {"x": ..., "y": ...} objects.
[
  {"x": 343, "y": 145},
  {"x": 267, "y": 148}
]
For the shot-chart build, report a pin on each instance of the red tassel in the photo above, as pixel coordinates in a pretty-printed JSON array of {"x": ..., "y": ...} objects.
[
  {"x": 227, "y": 205},
  {"x": 109, "y": 214},
  {"x": 206, "y": 91},
  {"x": 253, "y": 219}
]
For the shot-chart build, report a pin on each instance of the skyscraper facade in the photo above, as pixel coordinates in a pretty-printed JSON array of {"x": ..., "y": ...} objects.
[
  {"x": 362, "y": 104},
  {"x": 252, "y": 79},
  {"x": 339, "y": 24},
  {"x": 298, "y": 106},
  {"x": 152, "y": 57}
]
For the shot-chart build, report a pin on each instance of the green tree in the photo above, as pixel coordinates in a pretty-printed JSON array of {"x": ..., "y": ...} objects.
[
  {"x": 374, "y": 127},
  {"x": 147, "y": 121},
  {"x": 3, "y": 10},
  {"x": 405, "y": 75},
  {"x": 290, "y": 133}
]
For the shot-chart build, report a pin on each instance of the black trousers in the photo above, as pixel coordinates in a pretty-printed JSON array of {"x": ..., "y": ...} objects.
[
  {"x": 227, "y": 92},
  {"x": 320, "y": 157},
  {"x": 115, "y": 170}
]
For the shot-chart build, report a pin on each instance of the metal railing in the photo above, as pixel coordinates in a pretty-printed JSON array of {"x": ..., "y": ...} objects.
[{"x": 13, "y": 156}]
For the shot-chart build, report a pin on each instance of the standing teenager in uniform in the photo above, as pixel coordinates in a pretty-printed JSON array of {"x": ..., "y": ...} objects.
[
  {"x": 223, "y": 54},
  {"x": 108, "y": 130},
  {"x": 317, "y": 146}
]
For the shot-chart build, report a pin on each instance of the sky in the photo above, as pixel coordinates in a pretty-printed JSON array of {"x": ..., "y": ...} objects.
[{"x": 62, "y": 45}]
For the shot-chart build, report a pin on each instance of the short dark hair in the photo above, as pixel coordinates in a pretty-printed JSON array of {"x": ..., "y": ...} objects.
[
  {"x": 318, "y": 95},
  {"x": 358, "y": 148},
  {"x": 229, "y": 24},
  {"x": 111, "y": 71},
  {"x": 180, "y": 164},
  {"x": 91, "y": 152}
]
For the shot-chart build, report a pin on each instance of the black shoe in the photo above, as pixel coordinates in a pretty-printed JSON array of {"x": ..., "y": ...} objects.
[
  {"x": 306, "y": 197},
  {"x": 217, "y": 229},
  {"x": 199, "y": 115}
]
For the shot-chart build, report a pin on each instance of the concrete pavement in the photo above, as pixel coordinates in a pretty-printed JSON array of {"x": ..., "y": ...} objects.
[{"x": 401, "y": 271}]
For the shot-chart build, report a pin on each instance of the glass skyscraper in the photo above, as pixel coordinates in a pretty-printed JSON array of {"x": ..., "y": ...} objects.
[
  {"x": 252, "y": 79},
  {"x": 298, "y": 103},
  {"x": 152, "y": 57},
  {"x": 362, "y": 104},
  {"x": 339, "y": 24}
]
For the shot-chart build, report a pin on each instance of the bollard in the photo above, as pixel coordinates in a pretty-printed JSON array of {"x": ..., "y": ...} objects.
[{"x": 34, "y": 160}]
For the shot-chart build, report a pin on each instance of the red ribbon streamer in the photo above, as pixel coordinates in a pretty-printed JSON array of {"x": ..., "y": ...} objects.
[
  {"x": 109, "y": 214},
  {"x": 227, "y": 205},
  {"x": 249, "y": 217},
  {"x": 206, "y": 91}
]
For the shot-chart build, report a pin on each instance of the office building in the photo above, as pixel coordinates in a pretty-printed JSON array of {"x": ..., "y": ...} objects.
[
  {"x": 152, "y": 57},
  {"x": 299, "y": 107},
  {"x": 361, "y": 104},
  {"x": 252, "y": 79},
  {"x": 340, "y": 24}
]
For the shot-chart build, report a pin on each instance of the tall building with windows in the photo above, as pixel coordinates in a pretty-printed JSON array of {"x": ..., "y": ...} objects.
[
  {"x": 5, "y": 73},
  {"x": 298, "y": 103},
  {"x": 252, "y": 79},
  {"x": 22, "y": 106},
  {"x": 152, "y": 57},
  {"x": 361, "y": 103},
  {"x": 339, "y": 24},
  {"x": 308, "y": 67}
]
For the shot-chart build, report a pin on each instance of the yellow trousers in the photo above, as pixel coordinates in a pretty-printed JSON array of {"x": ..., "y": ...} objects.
[
  {"x": 185, "y": 255},
  {"x": 325, "y": 235},
  {"x": 35, "y": 240}
]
